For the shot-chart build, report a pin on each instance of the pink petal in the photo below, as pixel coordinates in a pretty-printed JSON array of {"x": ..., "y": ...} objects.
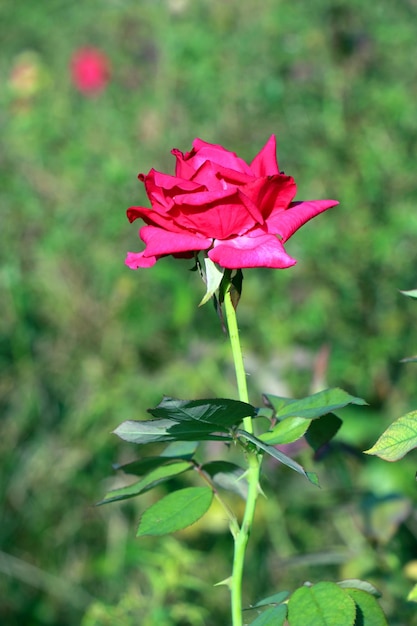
[
  {"x": 135, "y": 260},
  {"x": 286, "y": 223},
  {"x": 162, "y": 187},
  {"x": 248, "y": 251},
  {"x": 265, "y": 163},
  {"x": 203, "y": 151},
  {"x": 271, "y": 193},
  {"x": 168, "y": 182},
  {"x": 159, "y": 242},
  {"x": 215, "y": 176},
  {"x": 154, "y": 217},
  {"x": 203, "y": 198},
  {"x": 182, "y": 168},
  {"x": 207, "y": 176},
  {"x": 217, "y": 215}
]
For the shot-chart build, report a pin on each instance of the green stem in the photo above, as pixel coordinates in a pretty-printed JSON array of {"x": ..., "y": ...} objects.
[
  {"x": 252, "y": 474},
  {"x": 237, "y": 355}
]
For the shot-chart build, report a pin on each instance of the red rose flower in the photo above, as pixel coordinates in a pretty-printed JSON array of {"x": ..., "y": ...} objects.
[
  {"x": 90, "y": 70},
  {"x": 241, "y": 214}
]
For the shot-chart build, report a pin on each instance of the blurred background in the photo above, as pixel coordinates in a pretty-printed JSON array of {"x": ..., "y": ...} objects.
[{"x": 94, "y": 93}]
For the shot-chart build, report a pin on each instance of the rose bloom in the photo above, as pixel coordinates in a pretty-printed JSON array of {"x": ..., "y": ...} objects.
[
  {"x": 240, "y": 214},
  {"x": 90, "y": 70}
]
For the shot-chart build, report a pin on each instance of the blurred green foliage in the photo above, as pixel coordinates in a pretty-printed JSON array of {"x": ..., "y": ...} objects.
[{"x": 86, "y": 343}]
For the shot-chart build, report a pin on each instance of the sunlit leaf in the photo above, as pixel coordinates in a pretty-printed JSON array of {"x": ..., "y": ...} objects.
[
  {"x": 152, "y": 431},
  {"x": 226, "y": 582},
  {"x": 180, "y": 449},
  {"x": 398, "y": 439},
  {"x": 368, "y": 611},
  {"x": 280, "y": 456},
  {"x": 146, "y": 431},
  {"x": 324, "y": 604},
  {"x": 265, "y": 412},
  {"x": 176, "y": 450},
  {"x": 175, "y": 511},
  {"x": 287, "y": 431},
  {"x": 313, "y": 406},
  {"x": 362, "y": 585},
  {"x": 227, "y": 476},
  {"x": 141, "y": 466},
  {"x": 412, "y": 595},
  {"x": 218, "y": 411},
  {"x": 409, "y": 359},
  {"x": 276, "y": 598},
  {"x": 151, "y": 480},
  {"x": 412, "y": 293},
  {"x": 213, "y": 277},
  {"x": 273, "y": 616}
]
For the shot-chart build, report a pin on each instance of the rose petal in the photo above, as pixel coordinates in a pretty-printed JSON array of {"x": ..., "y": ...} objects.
[
  {"x": 249, "y": 251},
  {"x": 217, "y": 215},
  {"x": 159, "y": 242},
  {"x": 214, "y": 176},
  {"x": 154, "y": 217},
  {"x": 271, "y": 193},
  {"x": 203, "y": 198},
  {"x": 135, "y": 260},
  {"x": 265, "y": 163},
  {"x": 182, "y": 168},
  {"x": 168, "y": 182},
  {"x": 203, "y": 151},
  {"x": 160, "y": 188},
  {"x": 286, "y": 223}
]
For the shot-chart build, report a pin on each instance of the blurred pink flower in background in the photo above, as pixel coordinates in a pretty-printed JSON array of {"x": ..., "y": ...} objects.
[{"x": 90, "y": 70}]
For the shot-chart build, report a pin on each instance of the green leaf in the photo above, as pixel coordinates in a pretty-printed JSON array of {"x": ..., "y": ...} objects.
[
  {"x": 142, "y": 466},
  {"x": 217, "y": 411},
  {"x": 313, "y": 406},
  {"x": 276, "y": 598},
  {"x": 157, "y": 476},
  {"x": 280, "y": 456},
  {"x": 274, "y": 616},
  {"x": 287, "y": 431},
  {"x": 411, "y": 294},
  {"x": 412, "y": 596},
  {"x": 236, "y": 288},
  {"x": 146, "y": 431},
  {"x": 399, "y": 438},
  {"x": 362, "y": 585},
  {"x": 180, "y": 449},
  {"x": 324, "y": 604},
  {"x": 152, "y": 431},
  {"x": 382, "y": 515},
  {"x": 322, "y": 430},
  {"x": 368, "y": 611},
  {"x": 176, "y": 450},
  {"x": 409, "y": 359},
  {"x": 175, "y": 511},
  {"x": 227, "y": 476},
  {"x": 213, "y": 279}
]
